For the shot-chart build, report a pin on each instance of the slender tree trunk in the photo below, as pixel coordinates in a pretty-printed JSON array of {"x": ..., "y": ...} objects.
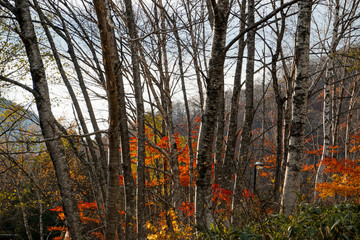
[
  {"x": 100, "y": 162},
  {"x": 279, "y": 150},
  {"x": 195, "y": 57},
  {"x": 167, "y": 112},
  {"x": 41, "y": 212},
  {"x": 263, "y": 112},
  {"x": 109, "y": 50},
  {"x": 24, "y": 213},
  {"x": 161, "y": 102},
  {"x": 187, "y": 111},
  {"x": 215, "y": 80},
  {"x": 174, "y": 163},
  {"x": 336, "y": 112},
  {"x": 280, "y": 109},
  {"x": 140, "y": 114},
  {"x": 130, "y": 189},
  {"x": 320, "y": 176},
  {"x": 287, "y": 121},
  {"x": 297, "y": 134},
  {"x": 47, "y": 120},
  {"x": 349, "y": 118},
  {"x": 229, "y": 159},
  {"x": 219, "y": 144},
  {"x": 249, "y": 91},
  {"x": 129, "y": 183},
  {"x": 249, "y": 107}
]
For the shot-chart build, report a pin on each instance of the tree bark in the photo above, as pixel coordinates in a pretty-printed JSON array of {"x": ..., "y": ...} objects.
[
  {"x": 320, "y": 175},
  {"x": 280, "y": 108},
  {"x": 249, "y": 93},
  {"x": 297, "y": 132},
  {"x": 349, "y": 118},
  {"x": 129, "y": 183},
  {"x": 140, "y": 115},
  {"x": 229, "y": 159},
  {"x": 227, "y": 166},
  {"x": 246, "y": 132},
  {"x": 215, "y": 80},
  {"x": 287, "y": 118},
  {"x": 107, "y": 37},
  {"x": 47, "y": 120},
  {"x": 219, "y": 144}
]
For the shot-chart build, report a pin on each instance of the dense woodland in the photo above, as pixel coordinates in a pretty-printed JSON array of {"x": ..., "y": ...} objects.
[{"x": 162, "y": 119}]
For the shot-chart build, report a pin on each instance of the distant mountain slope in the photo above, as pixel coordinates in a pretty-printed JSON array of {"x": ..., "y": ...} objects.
[{"x": 17, "y": 124}]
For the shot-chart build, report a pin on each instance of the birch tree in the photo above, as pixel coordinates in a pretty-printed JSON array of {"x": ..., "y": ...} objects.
[
  {"x": 320, "y": 177},
  {"x": 297, "y": 132}
]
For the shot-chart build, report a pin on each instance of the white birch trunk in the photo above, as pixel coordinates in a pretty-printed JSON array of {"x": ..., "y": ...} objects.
[
  {"x": 320, "y": 176},
  {"x": 349, "y": 118},
  {"x": 297, "y": 132}
]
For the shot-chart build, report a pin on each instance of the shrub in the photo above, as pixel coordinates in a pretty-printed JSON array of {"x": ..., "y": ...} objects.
[{"x": 338, "y": 221}]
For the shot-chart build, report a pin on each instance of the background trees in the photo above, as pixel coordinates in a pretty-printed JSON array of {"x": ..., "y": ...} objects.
[{"x": 181, "y": 114}]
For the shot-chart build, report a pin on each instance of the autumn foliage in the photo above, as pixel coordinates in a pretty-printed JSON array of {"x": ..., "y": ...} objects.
[
  {"x": 89, "y": 217},
  {"x": 343, "y": 175},
  {"x": 166, "y": 222}
]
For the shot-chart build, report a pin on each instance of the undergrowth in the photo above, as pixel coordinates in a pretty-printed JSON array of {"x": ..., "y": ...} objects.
[{"x": 310, "y": 221}]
